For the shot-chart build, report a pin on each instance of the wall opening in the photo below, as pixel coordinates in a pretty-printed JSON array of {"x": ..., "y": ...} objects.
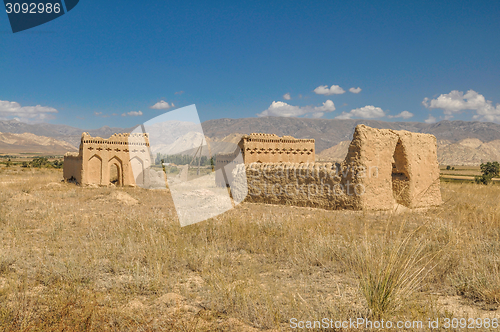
[
  {"x": 115, "y": 175},
  {"x": 116, "y": 171},
  {"x": 94, "y": 170},
  {"x": 400, "y": 176}
]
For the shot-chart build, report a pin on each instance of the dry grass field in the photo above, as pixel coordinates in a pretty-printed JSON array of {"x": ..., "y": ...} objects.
[{"x": 116, "y": 259}]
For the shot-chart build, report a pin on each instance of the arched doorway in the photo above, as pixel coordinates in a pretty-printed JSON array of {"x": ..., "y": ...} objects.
[
  {"x": 400, "y": 175},
  {"x": 115, "y": 171},
  {"x": 94, "y": 170},
  {"x": 114, "y": 174}
]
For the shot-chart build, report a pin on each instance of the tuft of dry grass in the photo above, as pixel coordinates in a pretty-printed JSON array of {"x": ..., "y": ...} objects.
[{"x": 391, "y": 270}]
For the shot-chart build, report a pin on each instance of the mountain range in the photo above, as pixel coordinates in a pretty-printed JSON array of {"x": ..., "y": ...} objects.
[
  {"x": 31, "y": 143},
  {"x": 466, "y": 152},
  {"x": 459, "y": 142}
]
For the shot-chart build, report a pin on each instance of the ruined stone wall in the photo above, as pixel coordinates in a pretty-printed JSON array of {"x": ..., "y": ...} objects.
[
  {"x": 310, "y": 184},
  {"x": 383, "y": 168},
  {"x": 126, "y": 156}
]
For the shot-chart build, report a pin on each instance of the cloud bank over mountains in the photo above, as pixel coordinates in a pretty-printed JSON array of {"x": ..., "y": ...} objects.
[
  {"x": 456, "y": 102},
  {"x": 279, "y": 108},
  {"x": 13, "y": 110},
  {"x": 367, "y": 112}
]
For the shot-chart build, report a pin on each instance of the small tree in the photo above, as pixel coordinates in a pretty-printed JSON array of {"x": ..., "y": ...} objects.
[
  {"x": 489, "y": 171},
  {"x": 448, "y": 167}
]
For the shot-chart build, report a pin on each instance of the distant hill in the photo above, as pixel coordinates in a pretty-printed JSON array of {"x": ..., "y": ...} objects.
[
  {"x": 467, "y": 152},
  {"x": 336, "y": 153},
  {"x": 65, "y": 133},
  {"x": 330, "y": 132},
  {"x": 30, "y": 143},
  {"x": 327, "y": 133}
]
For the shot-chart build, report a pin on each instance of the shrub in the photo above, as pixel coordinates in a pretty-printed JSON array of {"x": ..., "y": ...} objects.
[{"x": 489, "y": 170}]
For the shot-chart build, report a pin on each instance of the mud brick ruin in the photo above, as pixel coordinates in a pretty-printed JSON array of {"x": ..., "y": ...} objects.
[
  {"x": 269, "y": 148},
  {"x": 263, "y": 148},
  {"x": 122, "y": 158},
  {"x": 383, "y": 168}
]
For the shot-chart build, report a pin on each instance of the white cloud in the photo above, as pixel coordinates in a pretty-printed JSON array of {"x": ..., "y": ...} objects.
[
  {"x": 179, "y": 92},
  {"x": 132, "y": 113},
  {"x": 456, "y": 102},
  {"x": 430, "y": 119},
  {"x": 404, "y": 115},
  {"x": 367, "y": 112},
  {"x": 101, "y": 115},
  {"x": 162, "y": 105},
  {"x": 355, "y": 90},
  {"x": 287, "y": 96},
  {"x": 279, "y": 108},
  {"x": 13, "y": 110},
  {"x": 333, "y": 90}
]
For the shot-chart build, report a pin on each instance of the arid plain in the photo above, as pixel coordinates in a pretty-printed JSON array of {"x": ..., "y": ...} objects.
[{"x": 93, "y": 259}]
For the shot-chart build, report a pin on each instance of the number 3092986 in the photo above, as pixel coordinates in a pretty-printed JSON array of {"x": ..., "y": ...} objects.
[{"x": 33, "y": 8}]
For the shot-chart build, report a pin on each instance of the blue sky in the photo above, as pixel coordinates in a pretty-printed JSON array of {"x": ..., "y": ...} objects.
[{"x": 239, "y": 58}]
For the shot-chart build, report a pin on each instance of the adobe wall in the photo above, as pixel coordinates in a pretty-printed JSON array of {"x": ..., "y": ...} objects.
[
  {"x": 270, "y": 148},
  {"x": 72, "y": 170},
  {"x": 310, "y": 184},
  {"x": 128, "y": 154},
  {"x": 383, "y": 168},
  {"x": 263, "y": 148}
]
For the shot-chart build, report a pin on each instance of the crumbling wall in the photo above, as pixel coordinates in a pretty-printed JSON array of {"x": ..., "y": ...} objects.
[
  {"x": 383, "y": 168},
  {"x": 72, "y": 170},
  {"x": 423, "y": 169},
  {"x": 310, "y": 184}
]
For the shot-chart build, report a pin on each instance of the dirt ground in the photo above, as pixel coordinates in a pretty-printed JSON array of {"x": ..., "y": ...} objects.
[{"x": 116, "y": 259}]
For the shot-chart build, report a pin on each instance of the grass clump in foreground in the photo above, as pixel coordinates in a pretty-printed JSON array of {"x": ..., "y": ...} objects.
[
  {"x": 391, "y": 271},
  {"x": 82, "y": 259}
]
